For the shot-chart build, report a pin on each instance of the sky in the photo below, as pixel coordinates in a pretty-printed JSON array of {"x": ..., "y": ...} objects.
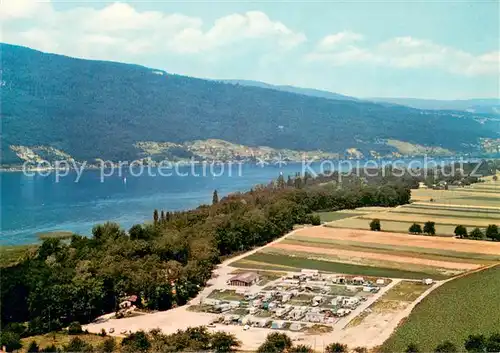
[{"x": 421, "y": 49}]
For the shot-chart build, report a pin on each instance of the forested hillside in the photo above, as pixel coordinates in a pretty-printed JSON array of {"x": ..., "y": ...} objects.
[{"x": 95, "y": 109}]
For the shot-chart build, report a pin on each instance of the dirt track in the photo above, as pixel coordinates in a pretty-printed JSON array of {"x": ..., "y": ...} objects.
[
  {"x": 376, "y": 256},
  {"x": 397, "y": 239}
]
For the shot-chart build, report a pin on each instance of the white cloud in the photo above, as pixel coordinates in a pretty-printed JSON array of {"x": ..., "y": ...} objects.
[
  {"x": 338, "y": 40},
  {"x": 403, "y": 53},
  {"x": 119, "y": 29}
]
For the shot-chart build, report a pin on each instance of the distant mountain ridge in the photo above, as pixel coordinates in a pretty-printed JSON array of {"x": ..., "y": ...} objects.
[
  {"x": 480, "y": 105},
  {"x": 97, "y": 109},
  {"x": 292, "y": 89}
]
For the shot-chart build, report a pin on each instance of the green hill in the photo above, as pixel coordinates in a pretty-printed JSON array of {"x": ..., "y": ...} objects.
[{"x": 96, "y": 109}]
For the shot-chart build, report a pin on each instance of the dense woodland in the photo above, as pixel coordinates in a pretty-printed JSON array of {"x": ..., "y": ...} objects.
[
  {"x": 165, "y": 262},
  {"x": 97, "y": 109}
]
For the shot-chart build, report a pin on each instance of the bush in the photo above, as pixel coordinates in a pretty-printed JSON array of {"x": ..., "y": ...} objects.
[
  {"x": 108, "y": 346},
  {"x": 446, "y": 347},
  {"x": 301, "y": 348},
  {"x": 275, "y": 343},
  {"x": 315, "y": 220},
  {"x": 412, "y": 348},
  {"x": 336, "y": 348},
  {"x": 33, "y": 347},
  {"x": 475, "y": 343},
  {"x": 375, "y": 225},
  {"x": 477, "y": 234},
  {"x": 137, "y": 341},
  {"x": 10, "y": 340},
  {"x": 75, "y": 328},
  {"x": 78, "y": 345}
]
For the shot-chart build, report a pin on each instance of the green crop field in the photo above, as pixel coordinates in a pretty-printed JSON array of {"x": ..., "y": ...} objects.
[
  {"x": 464, "y": 306},
  {"x": 268, "y": 260}
]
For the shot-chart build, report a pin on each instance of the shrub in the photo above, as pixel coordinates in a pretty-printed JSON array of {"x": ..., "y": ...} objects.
[
  {"x": 475, "y": 343},
  {"x": 75, "y": 328},
  {"x": 275, "y": 343},
  {"x": 412, "y": 348},
  {"x": 375, "y": 225},
  {"x": 10, "y": 340},
  {"x": 137, "y": 341},
  {"x": 446, "y": 347},
  {"x": 336, "y": 348},
  {"x": 33, "y": 347},
  {"x": 301, "y": 348},
  {"x": 315, "y": 220},
  {"x": 477, "y": 234},
  {"x": 108, "y": 346}
]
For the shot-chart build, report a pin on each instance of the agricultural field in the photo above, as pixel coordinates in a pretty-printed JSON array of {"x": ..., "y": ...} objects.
[
  {"x": 373, "y": 254},
  {"x": 463, "y": 306},
  {"x": 10, "y": 255},
  {"x": 475, "y": 206}
]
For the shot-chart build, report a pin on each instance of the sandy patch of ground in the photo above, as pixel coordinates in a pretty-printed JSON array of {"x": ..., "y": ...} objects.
[
  {"x": 460, "y": 245},
  {"x": 376, "y": 256}
]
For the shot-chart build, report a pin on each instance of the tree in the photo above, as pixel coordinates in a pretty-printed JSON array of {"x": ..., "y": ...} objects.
[
  {"x": 336, "y": 348},
  {"x": 137, "y": 341},
  {"x": 300, "y": 348},
  {"x": 461, "y": 232},
  {"x": 224, "y": 342},
  {"x": 475, "y": 343},
  {"x": 275, "y": 343},
  {"x": 162, "y": 217},
  {"x": 75, "y": 328},
  {"x": 415, "y": 229},
  {"x": 430, "y": 228},
  {"x": 215, "y": 198},
  {"x": 477, "y": 234},
  {"x": 155, "y": 217},
  {"x": 446, "y": 347},
  {"x": 492, "y": 232},
  {"x": 33, "y": 347},
  {"x": 11, "y": 340},
  {"x": 375, "y": 225},
  {"x": 412, "y": 348}
]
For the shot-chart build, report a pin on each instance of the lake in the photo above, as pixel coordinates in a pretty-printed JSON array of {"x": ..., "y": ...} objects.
[
  {"x": 38, "y": 203},
  {"x": 34, "y": 204}
]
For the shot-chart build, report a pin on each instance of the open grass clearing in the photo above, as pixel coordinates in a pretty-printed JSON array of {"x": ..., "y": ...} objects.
[
  {"x": 264, "y": 276},
  {"x": 416, "y": 218},
  {"x": 424, "y": 253},
  {"x": 388, "y": 226},
  {"x": 467, "y": 305},
  {"x": 269, "y": 259},
  {"x": 334, "y": 216},
  {"x": 11, "y": 255},
  {"x": 225, "y": 295},
  {"x": 444, "y": 213},
  {"x": 407, "y": 291},
  {"x": 374, "y": 259}
]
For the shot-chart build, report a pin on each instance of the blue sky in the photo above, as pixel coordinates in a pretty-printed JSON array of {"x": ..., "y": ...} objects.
[{"x": 423, "y": 49}]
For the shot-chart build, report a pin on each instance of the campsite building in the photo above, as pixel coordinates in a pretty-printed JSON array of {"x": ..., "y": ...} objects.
[{"x": 246, "y": 279}]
